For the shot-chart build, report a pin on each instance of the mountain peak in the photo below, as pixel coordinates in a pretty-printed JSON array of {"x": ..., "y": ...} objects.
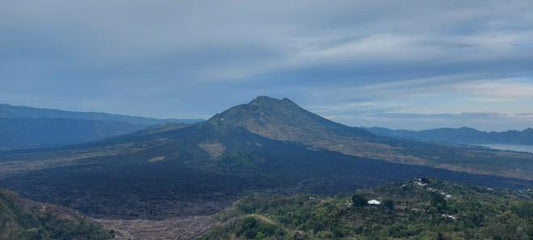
[
  {"x": 282, "y": 119},
  {"x": 263, "y": 98},
  {"x": 269, "y": 101},
  {"x": 260, "y": 107}
]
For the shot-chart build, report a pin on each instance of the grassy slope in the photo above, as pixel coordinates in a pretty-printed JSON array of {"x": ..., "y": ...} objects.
[
  {"x": 23, "y": 219},
  {"x": 417, "y": 213}
]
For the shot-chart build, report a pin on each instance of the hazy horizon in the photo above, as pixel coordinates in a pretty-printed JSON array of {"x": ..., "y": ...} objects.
[
  {"x": 369, "y": 125},
  {"x": 402, "y": 65}
]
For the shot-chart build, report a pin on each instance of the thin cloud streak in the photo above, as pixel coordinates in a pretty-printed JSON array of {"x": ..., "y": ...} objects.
[{"x": 340, "y": 58}]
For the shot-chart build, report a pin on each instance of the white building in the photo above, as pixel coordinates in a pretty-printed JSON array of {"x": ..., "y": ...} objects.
[
  {"x": 374, "y": 202},
  {"x": 451, "y": 217}
]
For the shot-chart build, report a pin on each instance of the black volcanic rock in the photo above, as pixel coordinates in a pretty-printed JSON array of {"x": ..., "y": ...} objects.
[{"x": 200, "y": 168}]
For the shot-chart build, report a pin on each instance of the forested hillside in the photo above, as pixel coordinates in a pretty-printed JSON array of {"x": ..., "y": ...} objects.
[
  {"x": 24, "y": 219},
  {"x": 420, "y": 209}
]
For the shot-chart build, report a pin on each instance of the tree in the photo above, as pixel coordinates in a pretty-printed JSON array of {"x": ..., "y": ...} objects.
[
  {"x": 359, "y": 201},
  {"x": 388, "y": 204},
  {"x": 523, "y": 209},
  {"x": 440, "y": 236},
  {"x": 424, "y": 179},
  {"x": 438, "y": 202}
]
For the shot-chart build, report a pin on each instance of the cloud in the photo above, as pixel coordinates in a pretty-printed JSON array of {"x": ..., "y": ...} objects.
[
  {"x": 502, "y": 89},
  {"x": 341, "y": 58},
  {"x": 479, "y": 120}
]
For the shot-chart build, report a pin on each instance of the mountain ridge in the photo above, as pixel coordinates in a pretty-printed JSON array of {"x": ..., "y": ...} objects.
[
  {"x": 25, "y": 127},
  {"x": 463, "y": 135},
  {"x": 11, "y": 111}
]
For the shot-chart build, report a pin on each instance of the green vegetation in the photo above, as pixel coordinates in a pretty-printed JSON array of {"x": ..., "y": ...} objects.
[
  {"x": 413, "y": 210},
  {"x": 21, "y": 219},
  {"x": 359, "y": 201},
  {"x": 238, "y": 160}
]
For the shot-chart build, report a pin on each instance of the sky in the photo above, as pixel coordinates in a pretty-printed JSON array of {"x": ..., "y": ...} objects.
[{"x": 399, "y": 64}]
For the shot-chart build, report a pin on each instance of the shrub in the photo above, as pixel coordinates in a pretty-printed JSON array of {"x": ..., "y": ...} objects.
[{"x": 359, "y": 201}]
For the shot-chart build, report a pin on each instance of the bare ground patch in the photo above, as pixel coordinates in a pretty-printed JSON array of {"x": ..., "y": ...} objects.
[
  {"x": 182, "y": 228},
  {"x": 214, "y": 150}
]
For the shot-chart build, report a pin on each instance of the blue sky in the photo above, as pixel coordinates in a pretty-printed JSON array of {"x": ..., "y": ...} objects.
[{"x": 399, "y": 64}]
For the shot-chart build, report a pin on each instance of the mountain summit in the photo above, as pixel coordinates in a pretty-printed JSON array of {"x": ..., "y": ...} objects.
[
  {"x": 266, "y": 101},
  {"x": 282, "y": 119}
]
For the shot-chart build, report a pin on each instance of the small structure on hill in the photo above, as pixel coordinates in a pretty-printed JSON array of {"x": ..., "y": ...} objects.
[
  {"x": 451, "y": 217},
  {"x": 421, "y": 181},
  {"x": 374, "y": 202}
]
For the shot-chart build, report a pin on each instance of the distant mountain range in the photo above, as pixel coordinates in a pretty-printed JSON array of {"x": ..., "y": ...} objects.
[
  {"x": 27, "y": 127},
  {"x": 459, "y": 135},
  {"x": 266, "y": 145}
]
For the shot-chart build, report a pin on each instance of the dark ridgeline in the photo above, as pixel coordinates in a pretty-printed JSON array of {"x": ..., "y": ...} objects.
[
  {"x": 27, "y": 127},
  {"x": 460, "y": 135}
]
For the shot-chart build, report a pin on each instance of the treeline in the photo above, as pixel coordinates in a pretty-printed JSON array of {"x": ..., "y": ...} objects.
[{"x": 422, "y": 209}]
